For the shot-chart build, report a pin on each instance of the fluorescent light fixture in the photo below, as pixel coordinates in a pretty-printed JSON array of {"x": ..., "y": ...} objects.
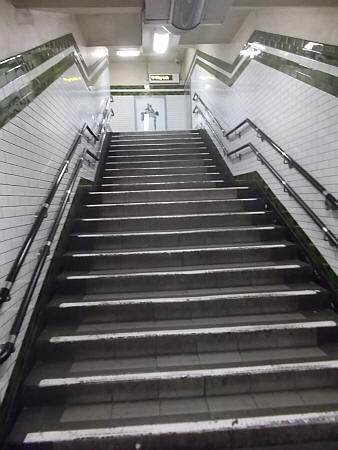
[
  {"x": 128, "y": 53},
  {"x": 161, "y": 42},
  {"x": 187, "y": 14}
]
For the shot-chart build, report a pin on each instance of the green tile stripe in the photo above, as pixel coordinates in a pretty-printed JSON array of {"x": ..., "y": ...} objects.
[
  {"x": 147, "y": 93},
  {"x": 152, "y": 86},
  {"x": 16, "y": 102},
  {"x": 327, "y": 53},
  {"x": 316, "y": 78},
  {"x": 16, "y": 66},
  {"x": 123, "y": 89},
  {"x": 219, "y": 62}
]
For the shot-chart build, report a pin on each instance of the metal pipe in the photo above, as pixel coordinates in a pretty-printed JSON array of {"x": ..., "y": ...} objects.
[
  {"x": 9, "y": 347},
  {"x": 330, "y": 200},
  {"x": 328, "y": 235}
]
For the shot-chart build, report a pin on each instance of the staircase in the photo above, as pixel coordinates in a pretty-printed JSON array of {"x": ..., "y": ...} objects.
[{"x": 184, "y": 318}]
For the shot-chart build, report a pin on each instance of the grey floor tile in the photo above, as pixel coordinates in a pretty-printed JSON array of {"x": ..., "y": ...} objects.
[
  {"x": 183, "y": 405},
  {"x": 277, "y": 399},
  {"x": 230, "y": 403},
  {"x": 147, "y": 408},
  {"x": 85, "y": 413}
]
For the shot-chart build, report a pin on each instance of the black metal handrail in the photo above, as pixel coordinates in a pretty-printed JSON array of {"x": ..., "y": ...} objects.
[
  {"x": 199, "y": 111},
  {"x": 328, "y": 235},
  {"x": 330, "y": 200},
  {"x": 9, "y": 346},
  {"x": 5, "y": 292},
  {"x": 197, "y": 97}
]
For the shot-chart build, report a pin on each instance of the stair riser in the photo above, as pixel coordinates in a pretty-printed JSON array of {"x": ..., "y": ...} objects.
[
  {"x": 171, "y": 223},
  {"x": 162, "y": 171},
  {"x": 175, "y": 240},
  {"x": 140, "y": 153},
  {"x": 165, "y": 259},
  {"x": 167, "y": 195},
  {"x": 190, "y": 139},
  {"x": 168, "y": 345},
  {"x": 143, "y": 178},
  {"x": 161, "y": 145},
  {"x": 170, "y": 281},
  {"x": 153, "y": 163},
  {"x": 154, "y": 209},
  {"x": 177, "y": 388},
  {"x": 149, "y": 156},
  {"x": 136, "y": 186},
  {"x": 190, "y": 309}
]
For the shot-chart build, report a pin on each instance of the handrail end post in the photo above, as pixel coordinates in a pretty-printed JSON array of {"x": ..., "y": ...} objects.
[
  {"x": 195, "y": 96},
  {"x": 5, "y": 295},
  {"x": 195, "y": 110},
  {"x": 7, "y": 349}
]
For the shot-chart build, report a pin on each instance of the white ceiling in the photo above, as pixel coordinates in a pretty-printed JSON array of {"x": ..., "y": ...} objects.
[{"x": 126, "y": 24}]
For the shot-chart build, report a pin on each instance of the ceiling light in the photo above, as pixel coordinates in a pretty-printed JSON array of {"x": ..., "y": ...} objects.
[
  {"x": 147, "y": 87},
  {"x": 161, "y": 42},
  {"x": 187, "y": 14},
  {"x": 128, "y": 53}
]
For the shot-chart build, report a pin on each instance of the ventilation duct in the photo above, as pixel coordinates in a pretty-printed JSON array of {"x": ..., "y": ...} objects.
[{"x": 187, "y": 14}]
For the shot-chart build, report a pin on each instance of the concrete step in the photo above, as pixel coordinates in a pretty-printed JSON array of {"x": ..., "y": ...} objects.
[
  {"x": 154, "y": 134},
  {"x": 189, "y": 304},
  {"x": 159, "y": 164},
  {"x": 185, "y": 176},
  {"x": 156, "y": 145},
  {"x": 155, "y": 156},
  {"x": 160, "y": 171},
  {"x": 43, "y": 388},
  {"x": 171, "y": 194},
  {"x": 190, "y": 138},
  {"x": 180, "y": 238},
  {"x": 174, "y": 221},
  {"x": 155, "y": 425},
  {"x": 163, "y": 186},
  {"x": 139, "y": 153},
  {"x": 170, "y": 257},
  {"x": 194, "y": 277},
  {"x": 66, "y": 343},
  {"x": 171, "y": 207}
]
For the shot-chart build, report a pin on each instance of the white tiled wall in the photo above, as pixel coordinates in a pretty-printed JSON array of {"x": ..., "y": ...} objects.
[
  {"x": 32, "y": 148},
  {"x": 124, "y": 109},
  {"x": 300, "y": 118}
]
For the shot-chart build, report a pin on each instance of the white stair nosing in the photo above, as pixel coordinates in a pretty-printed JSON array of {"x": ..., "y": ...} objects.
[
  {"x": 150, "y": 191},
  {"x": 173, "y": 202},
  {"x": 177, "y": 250},
  {"x": 192, "y": 373},
  {"x": 176, "y": 428},
  {"x": 243, "y": 213},
  {"x": 191, "y": 298},
  {"x": 180, "y": 232},
  {"x": 237, "y": 329}
]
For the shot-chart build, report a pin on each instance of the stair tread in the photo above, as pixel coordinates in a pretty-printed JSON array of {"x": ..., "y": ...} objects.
[
  {"x": 182, "y": 249},
  {"x": 244, "y": 359},
  {"x": 323, "y": 318},
  {"x": 184, "y": 414},
  {"x": 186, "y": 269},
  {"x": 200, "y": 294},
  {"x": 182, "y": 230}
]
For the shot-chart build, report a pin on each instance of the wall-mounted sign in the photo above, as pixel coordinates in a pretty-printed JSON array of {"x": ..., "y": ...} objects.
[{"x": 163, "y": 78}]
